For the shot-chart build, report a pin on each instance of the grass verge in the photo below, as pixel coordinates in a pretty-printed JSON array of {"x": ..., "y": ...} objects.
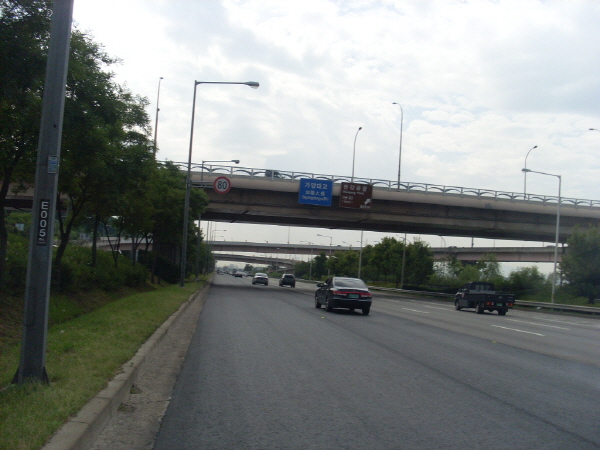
[{"x": 83, "y": 354}]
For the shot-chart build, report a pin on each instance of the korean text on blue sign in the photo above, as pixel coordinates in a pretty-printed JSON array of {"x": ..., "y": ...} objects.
[{"x": 315, "y": 192}]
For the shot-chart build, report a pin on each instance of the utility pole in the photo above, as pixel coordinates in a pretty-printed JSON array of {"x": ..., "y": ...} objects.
[{"x": 39, "y": 265}]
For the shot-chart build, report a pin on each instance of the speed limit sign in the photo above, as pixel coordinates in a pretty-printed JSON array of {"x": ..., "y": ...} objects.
[{"x": 222, "y": 185}]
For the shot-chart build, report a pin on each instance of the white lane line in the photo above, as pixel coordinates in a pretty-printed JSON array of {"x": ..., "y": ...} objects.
[
  {"x": 416, "y": 310},
  {"x": 437, "y": 307},
  {"x": 565, "y": 322},
  {"x": 539, "y": 324},
  {"x": 520, "y": 331}
]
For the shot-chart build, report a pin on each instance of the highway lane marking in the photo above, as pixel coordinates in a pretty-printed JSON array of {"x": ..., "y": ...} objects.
[
  {"x": 562, "y": 321},
  {"x": 416, "y": 310},
  {"x": 539, "y": 324},
  {"x": 437, "y": 307},
  {"x": 520, "y": 331},
  {"x": 427, "y": 306}
]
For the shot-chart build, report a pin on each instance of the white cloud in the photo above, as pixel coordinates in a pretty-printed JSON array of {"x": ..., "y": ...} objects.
[{"x": 480, "y": 83}]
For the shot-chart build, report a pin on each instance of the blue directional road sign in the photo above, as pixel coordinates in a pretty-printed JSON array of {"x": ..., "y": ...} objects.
[{"x": 315, "y": 192}]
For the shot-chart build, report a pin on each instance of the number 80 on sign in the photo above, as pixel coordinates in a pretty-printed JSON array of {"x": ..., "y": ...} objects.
[{"x": 222, "y": 185}]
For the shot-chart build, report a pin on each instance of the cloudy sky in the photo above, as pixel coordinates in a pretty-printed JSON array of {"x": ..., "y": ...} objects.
[{"x": 479, "y": 83}]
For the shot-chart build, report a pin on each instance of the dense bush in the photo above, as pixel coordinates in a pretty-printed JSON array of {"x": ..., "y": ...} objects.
[
  {"x": 16, "y": 262},
  {"x": 164, "y": 269},
  {"x": 75, "y": 272},
  {"x": 108, "y": 274}
]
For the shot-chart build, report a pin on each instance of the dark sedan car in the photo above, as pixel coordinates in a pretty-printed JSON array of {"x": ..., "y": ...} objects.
[
  {"x": 287, "y": 279},
  {"x": 342, "y": 292},
  {"x": 260, "y": 278}
]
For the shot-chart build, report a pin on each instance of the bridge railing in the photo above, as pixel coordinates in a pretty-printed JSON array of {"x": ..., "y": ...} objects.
[{"x": 405, "y": 186}]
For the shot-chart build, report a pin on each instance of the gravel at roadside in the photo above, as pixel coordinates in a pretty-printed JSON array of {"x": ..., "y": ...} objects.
[{"x": 137, "y": 421}]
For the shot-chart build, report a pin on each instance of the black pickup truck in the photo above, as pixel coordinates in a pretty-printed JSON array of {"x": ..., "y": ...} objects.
[{"x": 481, "y": 296}]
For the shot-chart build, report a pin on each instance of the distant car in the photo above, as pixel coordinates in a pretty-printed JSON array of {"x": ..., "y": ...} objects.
[
  {"x": 273, "y": 174},
  {"x": 287, "y": 279},
  {"x": 343, "y": 292},
  {"x": 260, "y": 278},
  {"x": 239, "y": 275}
]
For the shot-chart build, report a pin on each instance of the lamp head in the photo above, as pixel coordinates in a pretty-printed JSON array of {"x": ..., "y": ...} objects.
[
  {"x": 237, "y": 161},
  {"x": 359, "y": 128},
  {"x": 525, "y": 170},
  {"x": 252, "y": 84}
]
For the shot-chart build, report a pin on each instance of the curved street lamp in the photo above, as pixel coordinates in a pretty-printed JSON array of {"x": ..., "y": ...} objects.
[
  {"x": 525, "y": 174},
  {"x": 557, "y": 225},
  {"x": 400, "y": 149},
  {"x": 354, "y": 152},
  {"x": 186, "y": 207},
  {"x": 403, "y": 262}
]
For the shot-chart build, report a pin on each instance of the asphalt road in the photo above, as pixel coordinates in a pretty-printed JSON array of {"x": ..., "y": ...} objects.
[{"x": 267, "y": 370}]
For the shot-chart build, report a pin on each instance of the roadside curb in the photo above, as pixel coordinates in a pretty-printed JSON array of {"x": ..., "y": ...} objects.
[{"x": 82, "y": 430}]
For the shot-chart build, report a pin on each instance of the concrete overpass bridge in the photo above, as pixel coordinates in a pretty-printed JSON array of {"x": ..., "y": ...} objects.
[
  {"x": 271, "y": 197},
  {"x": 255, "y": 260},
  {"x": 245, "y": 251},
  {"x": 262, "y": 196},
  {"x": 286, "y": 255}
]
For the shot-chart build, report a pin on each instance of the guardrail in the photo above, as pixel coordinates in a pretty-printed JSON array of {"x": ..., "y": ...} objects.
[
  {"x": 538, "y": 305},
  {"x": 281, "y": 175}
]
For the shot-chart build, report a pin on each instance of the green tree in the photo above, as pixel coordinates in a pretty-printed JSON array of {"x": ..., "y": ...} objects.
[
  {"x": 106, "y": 140},
  {"x": 525, "y": 280},
  {"x": 24, "y": 33},
  {"x": 367, "y": 271},
  {"x": 489, "y": 270},
  {"x": 580, "y": 265},
  {"x": 385, "y": 259},
  {"x": 470, "y": 272},
  {"x": 418, "y": 266},
  {"x": 166, "y": 193},
  {"x": 319, "y": 268},
  {"x": 302, "y": 269},
  {"x": 344, "y": 263}
]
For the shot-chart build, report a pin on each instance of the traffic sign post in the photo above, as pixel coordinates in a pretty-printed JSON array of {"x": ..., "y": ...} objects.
[
  {"x": 315, "y": 192},
  {"x": 222, "y": 185},
  {"x": 356, "y": 196}
]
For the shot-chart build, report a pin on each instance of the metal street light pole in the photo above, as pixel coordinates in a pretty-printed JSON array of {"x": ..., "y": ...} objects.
[
  {"x": 39, "y": 262},
  {"x": 557, "y": 225},
  {"x": 186, "y": 207},
  {"x": 354, "y": 152},
  {"x": 237, "y": 161},
  {"x": 403, "y": 262},
  {"x": 400, "y": 149},
  {"x": 360, "y": 253},
  {"x": 525, "y": 174},
  {"x": 156, "y": 120}
]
